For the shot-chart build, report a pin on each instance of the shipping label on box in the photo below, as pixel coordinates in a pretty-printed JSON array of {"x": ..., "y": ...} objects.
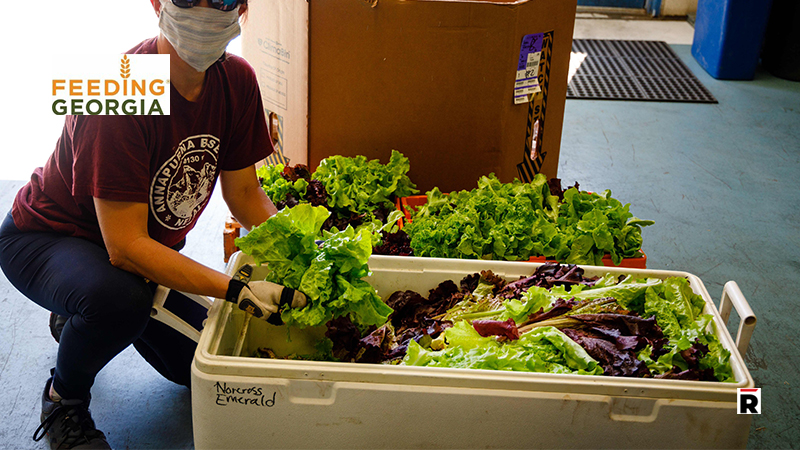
[
  {"x": 275, "y": 43},
  {"x": 530, "y": 55},
  {"x": 531, "y": 88}
]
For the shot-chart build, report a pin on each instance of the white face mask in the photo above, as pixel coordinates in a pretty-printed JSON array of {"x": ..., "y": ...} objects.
[{"x": 199, "y": 35}]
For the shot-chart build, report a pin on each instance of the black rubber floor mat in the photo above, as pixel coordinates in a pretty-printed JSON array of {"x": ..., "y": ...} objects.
[{"x": 633, "y": 70}]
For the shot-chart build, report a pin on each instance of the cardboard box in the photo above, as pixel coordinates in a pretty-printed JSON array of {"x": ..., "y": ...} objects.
[
  {"x": 434, "y": 79},
  {"x": 275, "y": 42}
]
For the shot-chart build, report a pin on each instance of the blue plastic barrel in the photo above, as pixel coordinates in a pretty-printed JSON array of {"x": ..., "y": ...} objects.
[{"x": 728, "y": 35}]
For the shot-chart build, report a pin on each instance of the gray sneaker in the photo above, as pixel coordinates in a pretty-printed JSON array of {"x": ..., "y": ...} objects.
[{"x": 68, "y": 424}]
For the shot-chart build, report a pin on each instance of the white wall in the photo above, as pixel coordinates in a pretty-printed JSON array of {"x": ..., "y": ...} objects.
[
  {"x": 678, "y": 7},
  {"x": 28, "y": 127}
]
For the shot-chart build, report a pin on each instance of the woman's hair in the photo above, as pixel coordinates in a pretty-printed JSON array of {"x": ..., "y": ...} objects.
[
  {"x": 243, "y": 15},
  {"x": 243, "y": 2}
]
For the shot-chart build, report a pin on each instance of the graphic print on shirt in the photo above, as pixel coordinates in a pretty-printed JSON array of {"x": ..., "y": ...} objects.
[{"x": 183, "y": 184}]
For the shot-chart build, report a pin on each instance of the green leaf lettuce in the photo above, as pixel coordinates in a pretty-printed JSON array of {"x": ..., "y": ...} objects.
[
  {"x": 330, "y": 274},
  {"x": 544, "y": 349}
]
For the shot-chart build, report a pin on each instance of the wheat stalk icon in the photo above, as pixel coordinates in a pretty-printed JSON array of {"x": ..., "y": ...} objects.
[{"x": 125, "y": 67}]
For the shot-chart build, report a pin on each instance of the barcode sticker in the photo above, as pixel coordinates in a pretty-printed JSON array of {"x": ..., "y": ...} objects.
[
  {"x": 528, "y": 90},
  {"x": 526, "y": 86},
  {"x": 533, "y": 63},
  {"x": 530, "y": 56}
]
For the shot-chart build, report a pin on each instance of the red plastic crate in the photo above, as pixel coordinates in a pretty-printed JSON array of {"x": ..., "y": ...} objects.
[
  {"x": 639, "y": 262},
  {"x": 404, "y": 204},
  {"x": 229, "y": 234}
]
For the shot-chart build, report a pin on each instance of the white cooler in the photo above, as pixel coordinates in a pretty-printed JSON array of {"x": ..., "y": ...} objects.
[{"x": 240, "y": 401}]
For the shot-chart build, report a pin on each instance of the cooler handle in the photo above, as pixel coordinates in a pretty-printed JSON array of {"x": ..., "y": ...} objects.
[
  {"x": 161, "y": 314},
  {"x": 732, "y": 297}
]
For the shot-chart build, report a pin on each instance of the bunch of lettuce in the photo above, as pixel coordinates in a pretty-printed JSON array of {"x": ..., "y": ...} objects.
[
  {"x": 357, "y": 192},
  {"x": 678, "y": 310},
  {"x": 288, "y": 186},
  {"x": 509, "y": 221},
  {"x": 278, "y": 185},
  {"x": 544, "y": 349},
  {"x": 515, "y": 221},
  {"x": 330, "y": 274},
  {"x": 592, "y": 225},
  {"x": 358, "y": 186},
  {"x": 554, "y": 321},
  {"x": 638, "y": 327}
]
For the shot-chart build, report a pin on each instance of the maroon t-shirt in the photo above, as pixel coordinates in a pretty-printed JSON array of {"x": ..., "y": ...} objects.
[{"x": 169, "y": 162}]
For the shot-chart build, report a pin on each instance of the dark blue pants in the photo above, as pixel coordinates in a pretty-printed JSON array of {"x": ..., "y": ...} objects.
[{"x": 108, "y": 308}]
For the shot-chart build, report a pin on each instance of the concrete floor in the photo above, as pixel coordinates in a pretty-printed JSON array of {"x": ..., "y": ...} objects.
[{"x": 721, "y": 182}]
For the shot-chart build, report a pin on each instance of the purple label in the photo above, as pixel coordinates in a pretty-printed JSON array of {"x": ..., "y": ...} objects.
[{"x": 531, "y": 43}]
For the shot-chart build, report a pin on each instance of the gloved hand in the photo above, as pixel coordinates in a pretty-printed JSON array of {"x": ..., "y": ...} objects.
[{"x": 264, "y": 299}]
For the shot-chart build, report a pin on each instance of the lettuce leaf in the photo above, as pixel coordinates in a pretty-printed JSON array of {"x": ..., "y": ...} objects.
[
  {"x": 286, "y": 242},
  {"x": 544, "y": 349},
  {"x": 534, "y": 299},
  {"x": 629, "y": 293}
]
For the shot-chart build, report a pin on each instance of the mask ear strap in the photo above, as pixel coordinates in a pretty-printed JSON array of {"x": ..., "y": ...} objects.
[{"x": 219, "y": 4}]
